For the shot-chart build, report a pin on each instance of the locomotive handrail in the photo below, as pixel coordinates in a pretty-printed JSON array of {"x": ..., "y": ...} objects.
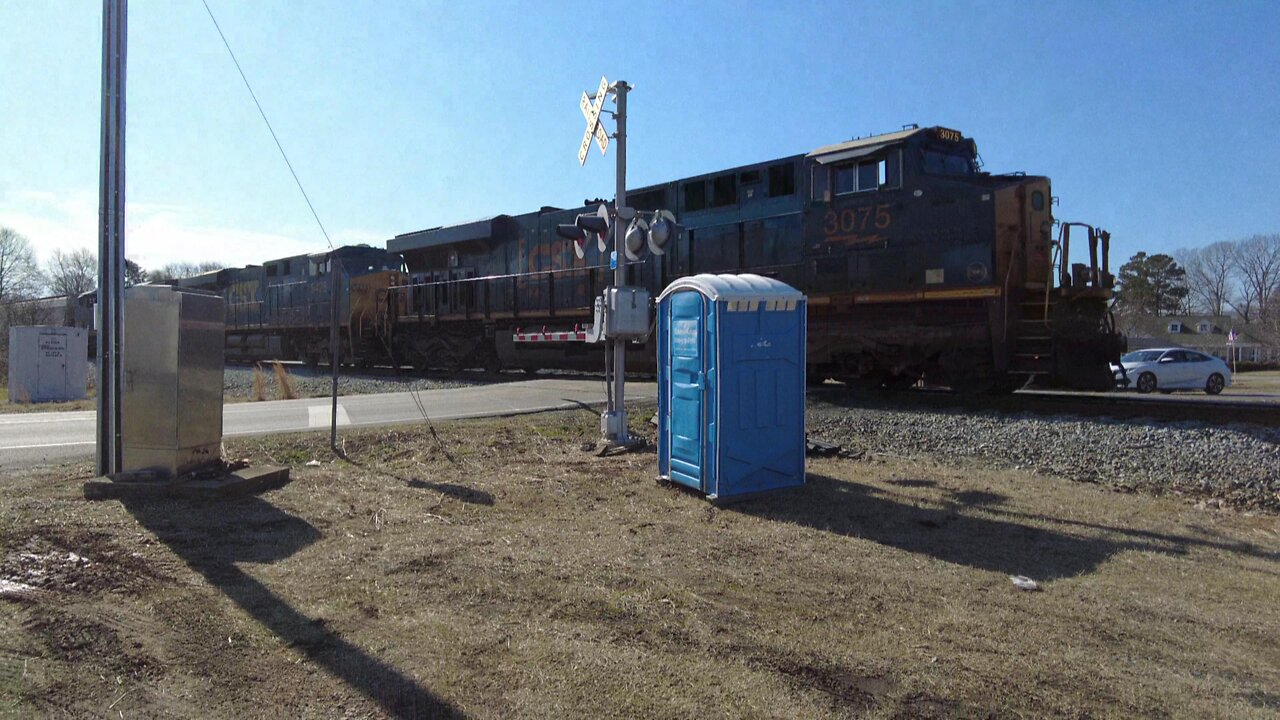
[{"x": 508, "y": 276}]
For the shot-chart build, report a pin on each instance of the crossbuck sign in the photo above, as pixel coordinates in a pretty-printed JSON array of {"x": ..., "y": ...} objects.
[{"x": 591, "y": 111}]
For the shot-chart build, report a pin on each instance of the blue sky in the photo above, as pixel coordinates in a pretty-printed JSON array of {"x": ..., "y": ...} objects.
[{"x": 1158, "y": 121}]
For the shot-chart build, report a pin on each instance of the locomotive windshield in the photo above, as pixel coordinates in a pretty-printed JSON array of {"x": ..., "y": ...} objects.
[{"x": 949, "y": 161}]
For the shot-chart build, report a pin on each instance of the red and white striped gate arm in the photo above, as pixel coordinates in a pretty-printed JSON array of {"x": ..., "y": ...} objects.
[{"x": 575, "y": 335}]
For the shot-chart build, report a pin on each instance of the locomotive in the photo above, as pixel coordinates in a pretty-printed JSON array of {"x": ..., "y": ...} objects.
[
  {"x": 282, "y": 309},
  {"x": 918, "y": 265}
]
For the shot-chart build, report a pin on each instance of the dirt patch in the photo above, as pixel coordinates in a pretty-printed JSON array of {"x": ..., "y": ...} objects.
[
  {"x": 499, "y": 570},
  {"x": 80, "y": 562}
]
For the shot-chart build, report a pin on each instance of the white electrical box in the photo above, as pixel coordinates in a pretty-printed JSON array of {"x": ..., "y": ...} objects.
[{"x": 48, "y": 363}]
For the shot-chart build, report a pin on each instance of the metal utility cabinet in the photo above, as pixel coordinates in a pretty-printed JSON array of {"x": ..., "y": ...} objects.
[
  {"x": 173, "y": 359},
  {"x": 48, "y": 364},
  {"x": 731, "y": 384}
]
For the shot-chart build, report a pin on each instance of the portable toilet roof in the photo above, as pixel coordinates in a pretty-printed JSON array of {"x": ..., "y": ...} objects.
[
  {"x": 734, "y": 287},
  {"x": 731, "y": 384}
]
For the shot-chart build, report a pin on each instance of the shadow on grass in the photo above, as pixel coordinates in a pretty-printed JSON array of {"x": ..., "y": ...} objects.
[
  {"x": 457, "y": 492},
  {"x": 212, "y": 537},
  {"x": 946, "y": 529}
]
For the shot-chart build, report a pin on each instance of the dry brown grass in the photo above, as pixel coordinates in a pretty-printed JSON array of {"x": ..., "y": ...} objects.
[
  {"x": 259, "y": 384},
  {"x": 284, "y": 385},
  {"x": 527, "y": 578}
]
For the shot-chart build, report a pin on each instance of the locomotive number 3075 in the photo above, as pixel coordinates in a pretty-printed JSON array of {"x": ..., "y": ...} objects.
[{"x": 856, "y": 219}]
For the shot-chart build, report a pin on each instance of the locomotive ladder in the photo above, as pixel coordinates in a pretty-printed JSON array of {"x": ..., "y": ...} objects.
[{"x": 1032, "y": 347}]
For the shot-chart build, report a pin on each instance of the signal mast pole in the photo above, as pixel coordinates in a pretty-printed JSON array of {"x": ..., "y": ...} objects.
[
  {"x": 617, "y": 433},
  {"x": 111, "y": 237}
]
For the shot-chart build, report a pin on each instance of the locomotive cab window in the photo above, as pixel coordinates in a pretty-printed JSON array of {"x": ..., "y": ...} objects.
[
  {"x": 867, "y": 175},
  {"x": 939, "y": 162}
]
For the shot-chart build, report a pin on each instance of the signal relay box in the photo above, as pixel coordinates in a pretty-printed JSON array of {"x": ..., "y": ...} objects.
[{"x": 622, "y": 313}]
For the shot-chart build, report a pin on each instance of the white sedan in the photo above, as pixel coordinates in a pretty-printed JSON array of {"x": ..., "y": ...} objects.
[{"x": 1169, "y": 369}]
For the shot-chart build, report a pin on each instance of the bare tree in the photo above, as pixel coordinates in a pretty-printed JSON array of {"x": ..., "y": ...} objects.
[
  {"x": 1210, "y": 276},
  {"x": 1257, "y": 260},
  {"x": 178, "y": 270},
  {"x": 20, "y": 276},
  {"x": 72, "y": 273}
]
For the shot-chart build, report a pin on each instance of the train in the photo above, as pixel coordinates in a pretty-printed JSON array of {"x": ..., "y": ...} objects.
[{"x": 919, "y": 266}]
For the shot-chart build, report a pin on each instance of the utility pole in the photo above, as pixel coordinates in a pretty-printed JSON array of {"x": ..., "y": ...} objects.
[
  {"x": 115, "y": 14},
  {"x": 615, "y": 427},
  {"x": 335, "y": 353}
]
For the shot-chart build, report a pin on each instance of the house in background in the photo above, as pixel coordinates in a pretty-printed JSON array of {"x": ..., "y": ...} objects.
[{"x": 1206, "y": 333}]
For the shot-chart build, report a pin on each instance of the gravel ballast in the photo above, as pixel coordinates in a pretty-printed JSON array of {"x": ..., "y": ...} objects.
[
  {"x": 237, "y": 382},
  {"x": 1239, "y": 465}
]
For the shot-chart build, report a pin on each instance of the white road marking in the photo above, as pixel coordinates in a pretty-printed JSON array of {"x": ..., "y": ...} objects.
[
  {"x": 320, "y": 415},
  {"x": 30, "y": 447}
]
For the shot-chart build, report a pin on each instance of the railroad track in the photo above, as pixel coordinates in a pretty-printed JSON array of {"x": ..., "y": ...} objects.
[
  {"x": 1118, "y": 405},
  {"x": 1214, "y": 411}
]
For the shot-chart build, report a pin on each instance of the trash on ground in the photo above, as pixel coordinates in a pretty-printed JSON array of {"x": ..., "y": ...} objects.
[
  {"x": 814, "y": 447},
  {"x": 1022, "y": 582}
]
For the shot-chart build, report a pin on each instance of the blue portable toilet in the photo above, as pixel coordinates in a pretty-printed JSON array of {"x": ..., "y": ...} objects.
[{"x": 731, "y": 383}]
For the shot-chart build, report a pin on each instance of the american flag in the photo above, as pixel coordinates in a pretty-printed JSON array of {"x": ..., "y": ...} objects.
[{"x": 1232, "y": 336}]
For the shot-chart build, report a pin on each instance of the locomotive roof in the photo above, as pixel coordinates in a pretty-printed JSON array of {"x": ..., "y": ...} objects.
[
  {"x": 446, "y": 234},
  {"x": 870, "y": 140}
]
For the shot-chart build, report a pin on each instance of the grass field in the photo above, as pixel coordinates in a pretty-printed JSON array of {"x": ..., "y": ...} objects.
[
  {"x": 502, "y": 571},
  {"x": 1260, "y": 383}
]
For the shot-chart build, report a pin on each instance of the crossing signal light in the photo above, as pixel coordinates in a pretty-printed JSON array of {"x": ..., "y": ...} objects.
[
  {"x": 584, "y": 227},
  {"x": 661, "y": 230},
  {"x": 646, "y": 230},
  {"x": 577, "y": 235},
  {"x": 636, "y": 238}
]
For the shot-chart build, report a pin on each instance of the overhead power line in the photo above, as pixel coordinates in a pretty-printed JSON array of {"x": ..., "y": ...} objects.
[{"x": 270, "y": 129}]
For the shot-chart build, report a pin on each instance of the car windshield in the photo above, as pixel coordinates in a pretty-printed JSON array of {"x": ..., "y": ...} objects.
[{"x": 1142, "y": 356}]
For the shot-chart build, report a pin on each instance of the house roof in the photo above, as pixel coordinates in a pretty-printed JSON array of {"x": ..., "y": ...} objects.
[{"x": 1154, "y": 330}]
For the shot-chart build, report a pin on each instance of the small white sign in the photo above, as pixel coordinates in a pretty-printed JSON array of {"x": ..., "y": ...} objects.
[{"x": 684, "y": 338}]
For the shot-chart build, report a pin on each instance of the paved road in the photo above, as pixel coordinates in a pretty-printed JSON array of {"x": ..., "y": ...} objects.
[{"x": 37, "y": 438}]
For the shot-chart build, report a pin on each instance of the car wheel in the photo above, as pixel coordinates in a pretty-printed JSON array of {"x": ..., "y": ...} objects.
[
  {"x": 1214, "y": 384},
  {"x": 1146, "y": 382}
]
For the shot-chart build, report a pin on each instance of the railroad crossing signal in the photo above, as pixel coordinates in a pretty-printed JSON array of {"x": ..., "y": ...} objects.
[
  {"x": 602, "y": 137},
  {"x": 594, "y": 128}
]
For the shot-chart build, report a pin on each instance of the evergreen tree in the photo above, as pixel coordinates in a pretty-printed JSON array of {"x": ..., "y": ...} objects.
[{"x": 1151, "y": 285}]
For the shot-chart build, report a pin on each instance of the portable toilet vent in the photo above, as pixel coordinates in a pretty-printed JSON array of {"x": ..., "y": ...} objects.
[{"x": 731, "y": 384}]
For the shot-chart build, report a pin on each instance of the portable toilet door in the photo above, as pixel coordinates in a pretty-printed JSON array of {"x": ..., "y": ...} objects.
[{"x": 688, "y": 363}]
